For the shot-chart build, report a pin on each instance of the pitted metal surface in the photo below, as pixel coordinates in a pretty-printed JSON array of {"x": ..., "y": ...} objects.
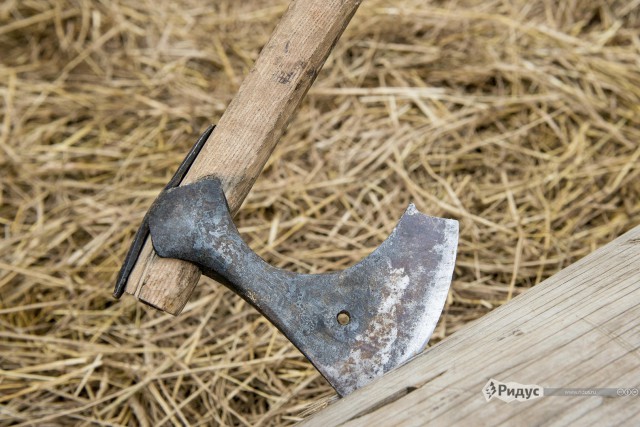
[{"x": 353, "y": 325}]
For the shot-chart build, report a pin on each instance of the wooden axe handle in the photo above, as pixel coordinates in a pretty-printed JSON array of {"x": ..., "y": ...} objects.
[{"x": 249, "y": 130}]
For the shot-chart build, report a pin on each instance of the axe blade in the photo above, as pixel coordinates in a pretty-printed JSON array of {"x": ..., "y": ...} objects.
[
  {"x": 405, "y": 283},
  {"x": 353, "y": 325}
]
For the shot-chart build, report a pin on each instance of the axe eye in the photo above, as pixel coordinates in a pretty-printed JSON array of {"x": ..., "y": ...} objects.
[{"x": 344, "y": 317}]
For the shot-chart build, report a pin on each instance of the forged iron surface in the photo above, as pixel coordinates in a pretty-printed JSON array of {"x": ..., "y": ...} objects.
[
  {"x": 143, "y": 230},
  {"x": 390, "y": 301}
]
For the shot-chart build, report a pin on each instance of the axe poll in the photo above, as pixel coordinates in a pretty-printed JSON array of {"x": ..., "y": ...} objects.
[{"x": 353, "y": 325}]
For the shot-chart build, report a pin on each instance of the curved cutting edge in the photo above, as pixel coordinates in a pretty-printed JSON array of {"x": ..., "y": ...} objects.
[{"x": 354, "y": 325}]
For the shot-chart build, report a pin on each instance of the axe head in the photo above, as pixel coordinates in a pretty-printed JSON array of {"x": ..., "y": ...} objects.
[{"x": 353, "y": 325}]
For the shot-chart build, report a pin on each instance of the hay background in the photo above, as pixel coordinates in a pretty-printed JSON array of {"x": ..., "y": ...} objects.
[{"x": 519, "y": 118}]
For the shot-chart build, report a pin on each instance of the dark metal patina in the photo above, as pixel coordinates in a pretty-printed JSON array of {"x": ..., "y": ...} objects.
[
  {"x": 143, "y": 230},
  {"x": 353, "y": 325}
]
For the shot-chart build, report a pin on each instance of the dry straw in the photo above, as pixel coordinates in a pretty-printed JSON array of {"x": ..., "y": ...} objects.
[{"x": 520, "y": 118}]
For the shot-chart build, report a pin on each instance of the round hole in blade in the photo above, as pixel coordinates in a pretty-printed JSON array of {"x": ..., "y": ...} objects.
[{"x": 344, "y": 317}]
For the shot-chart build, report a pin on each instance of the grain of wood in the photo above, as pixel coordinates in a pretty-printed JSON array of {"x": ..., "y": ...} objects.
[
  {"x": 578, "y": 328},
  {"x": 249, "y": 131}
]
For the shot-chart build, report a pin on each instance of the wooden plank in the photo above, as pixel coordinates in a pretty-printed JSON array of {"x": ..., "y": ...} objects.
[
  {"x": 249, "y": 131},
  {"x": 580, "y": 328}
]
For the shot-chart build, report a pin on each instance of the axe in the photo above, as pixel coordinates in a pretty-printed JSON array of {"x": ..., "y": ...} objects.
[{"x": 353, "y": 325}]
